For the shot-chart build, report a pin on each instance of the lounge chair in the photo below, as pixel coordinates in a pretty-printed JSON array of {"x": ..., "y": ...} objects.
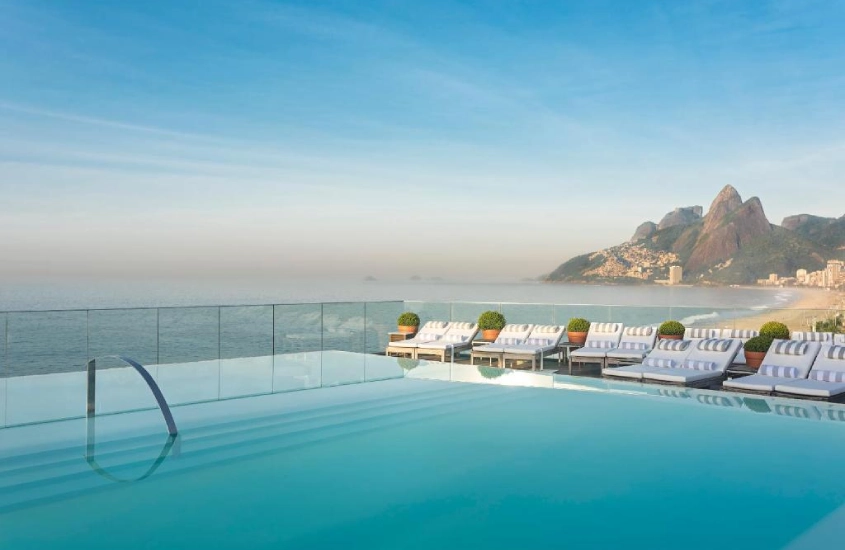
[
  {"x": 457, "y": 339},
  {"x": 824, "y": 338},
  {"x": 701, "y": 333},
  {"x": 839, "y": 339},
  {"x": 666, "y": 354},
  {"x": 635, "y": 344},
  {"x": 431, "y": 331},
  {"x": 542, "y": 342},
  {"x": 786, "y": 361},
  {"x": 601, "y": 338},
  {"x": 743, "y": 335},
  {"x": 705, "y": 364},
  {"x": 826, "y": 379},
  {"x": 510, "y": 335}
]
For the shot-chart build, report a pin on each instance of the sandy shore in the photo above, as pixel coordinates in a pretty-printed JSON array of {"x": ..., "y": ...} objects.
[{"x": 813, "y": 304}]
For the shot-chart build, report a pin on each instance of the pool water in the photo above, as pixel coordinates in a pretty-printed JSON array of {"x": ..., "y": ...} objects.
[{"x": 425, "y": 461}]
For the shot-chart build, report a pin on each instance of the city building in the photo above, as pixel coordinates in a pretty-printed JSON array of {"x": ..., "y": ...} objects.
[{"x": 676, "y": 274}]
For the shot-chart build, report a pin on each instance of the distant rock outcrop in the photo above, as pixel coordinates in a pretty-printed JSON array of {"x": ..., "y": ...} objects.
[
  {"x": 729, "y": 225},
  {"x": 733, "y": 244},
  {"x": 644, "y": 231},
  {"x": 681, "y": 216}
]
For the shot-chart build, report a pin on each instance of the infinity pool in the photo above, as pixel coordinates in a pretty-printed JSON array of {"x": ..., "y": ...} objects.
[{"x": 440, "y": 456}]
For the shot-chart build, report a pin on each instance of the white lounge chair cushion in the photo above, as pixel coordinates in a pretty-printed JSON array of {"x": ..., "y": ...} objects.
[
  {"x": 756, "y": 382},
  {"x": 673, "y": 345},
  {"x": 789, "y": 347},
  {"x": 632, "y": 355},
  {"x": 836, "y": 352},
  {"x": 660, "y": 362},
  {"x": 781, "y": 372},
  {"x": 633, "y": 345},
  {"x": 681, "y": 375},
  {"x": 696, "y": 333},
  {"x": 742, "y": 334},
  {"x": 605, "y": 328},
  {"x": 441, "y": 345},
  {"x": 490, "y": 348},
  {"x": 812, "y": 336},
  {"x": 700, "y": 365},
  {"x": 633, "y": 372},
  {"x": 454, "y": 338},
  {"x": 589, "y": 352},
  {"x": 543, "y": 342},
  {"x": 638, "y": 331},
  {"x": 509, "y": 341},
  {"x": 810, "y": 388},
  {"x": 714, "y": 344},
  {"x": 546, "y": 329},
  {"x": 528, "y": 349},
  {"x": 836, "y": 376}
]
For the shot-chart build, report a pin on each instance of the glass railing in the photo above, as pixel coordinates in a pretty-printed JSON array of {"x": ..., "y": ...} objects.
[{"x": 45, "y": 342}]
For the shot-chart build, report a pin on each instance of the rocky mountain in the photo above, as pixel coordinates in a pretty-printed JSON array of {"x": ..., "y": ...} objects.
[{"x": 733, "y": 244}]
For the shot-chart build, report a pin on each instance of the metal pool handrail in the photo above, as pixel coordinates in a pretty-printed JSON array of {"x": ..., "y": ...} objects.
[{"x": 162, "y": 402}]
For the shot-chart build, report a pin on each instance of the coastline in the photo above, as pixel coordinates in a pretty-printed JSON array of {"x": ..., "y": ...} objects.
[{"x": 812, "y": 304}]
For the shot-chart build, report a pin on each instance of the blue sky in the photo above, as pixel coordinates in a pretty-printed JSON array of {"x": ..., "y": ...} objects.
[{"x": 472, "y": 139}]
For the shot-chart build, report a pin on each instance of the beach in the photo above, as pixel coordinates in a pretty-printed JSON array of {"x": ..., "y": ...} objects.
[{"x": 812, "y": 305}]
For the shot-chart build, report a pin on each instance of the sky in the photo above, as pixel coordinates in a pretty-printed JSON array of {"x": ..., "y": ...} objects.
[{"x": 468, "y": 140}]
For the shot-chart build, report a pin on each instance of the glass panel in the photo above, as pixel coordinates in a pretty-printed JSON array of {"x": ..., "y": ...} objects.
[
  {"x": 193, "y": 382},
  {"x": 381, "y": 320},
  {"x": 702, "y": 317},
  {"x": 469, "y": 312},
  {"x": 340, "y": 368},
  {"x": 4, "y": 371},
  {"x": 594, "y": 314},
  {"x": 635, "y": 316},
  {"x": 246, "y": 331},
  {"x": 344, "y": 327},
  {"x": 535, "y": 314},
  {"x": 46, "y": 342},
  {"x": 298, "y": 328},
  {"x": 431, "y": 311},
  {"x": 297, "y": 371},
  {"x": 188, "y": 334},
  {"x": 246, "y": 376},
  {"x": 129, "y": 332},
  {"x": 378, "y": 367}
]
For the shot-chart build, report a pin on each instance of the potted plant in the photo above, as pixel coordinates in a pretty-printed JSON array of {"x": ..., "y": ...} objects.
[
  {"x": 408, "y": 322},
  {"x": 775, "y": 330},
  {"x": 671, "y": 330},
  {"x": 577, "y": 330},
  {"x": 755, "y": 350},
  {"x": 491, "y": 323},
  {"x": 490, "y": 372}
]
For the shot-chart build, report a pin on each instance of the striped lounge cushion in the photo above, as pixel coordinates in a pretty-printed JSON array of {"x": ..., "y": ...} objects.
[
  {"x": 790, "y": 347},
  {"x": 539, "y": 342},
  {"x": 828, "y": 375},
  {"x": 699, "y": 333},
  {"x": 454, "y": 338},
  {"x": 639, "y": 331},
  {"x": 782, "y": 372},
  {"x": 508, "y": 341},
  {"x": 812, "y": 336},
  {"x": 743, "y": 333},
  {"x": 436, "y": 324},
  {"x": 546, "y": 329},
  {"x": 673, "y": 345},
  {"x": 427, "y": 336},
  {"x": 700, "y": 365},
  {"x": 515, "y": 328},
  {"x": 835, "y": 352},
  {"x": 660, "y": 362},
  {"x": 600, "y": 344},
  {"x": 604, "y": 327},
  {"x": 714, "y": 344},
  {"x": 633, "y": 345},
  {"x": 463, "y": 326}
]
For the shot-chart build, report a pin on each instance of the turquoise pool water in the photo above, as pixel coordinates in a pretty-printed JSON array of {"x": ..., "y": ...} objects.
[{"x": 441, "y": 456}]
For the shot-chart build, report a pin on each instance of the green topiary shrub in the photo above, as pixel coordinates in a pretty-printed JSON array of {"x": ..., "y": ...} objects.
[
  {"x": 408, "y": 364},
  {"x": 577, "y": 324},
  {"x": 671, "y": 328},
  {"x": 776, "y": 330},
  {"x": 833, "y": 324},
  {"x": 759, "y": 344},
  {"x": 408, "y": 319},
  {"x": 491, "y": 320}
]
